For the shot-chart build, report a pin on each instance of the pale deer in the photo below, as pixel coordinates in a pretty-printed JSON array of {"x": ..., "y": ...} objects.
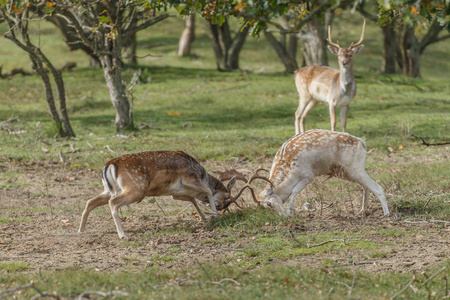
[
  {"x": 313, "y": 153},
  {"x": 131, "y": 178},
  {"x": 332, "y": 86}
]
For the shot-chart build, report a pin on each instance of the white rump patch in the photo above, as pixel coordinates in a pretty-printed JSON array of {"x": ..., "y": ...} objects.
[{"x": 110, "y": 176}]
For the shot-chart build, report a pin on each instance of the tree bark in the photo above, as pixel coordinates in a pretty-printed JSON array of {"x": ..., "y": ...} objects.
[
  {"x": 49, "y": 97},
  {"x": 392, "y": 54},
  {"x": 226, "y": 49},
  {"x": 130, "y": 50},
  {"x": 314, "y": 46},
  {"x": 187, "y": 36},
  {"x": 411, "y": 53},
  {"x": 289, "y": 62},
  {"x": 57, "y": 77},
  {"x": 112, "y": 71}
]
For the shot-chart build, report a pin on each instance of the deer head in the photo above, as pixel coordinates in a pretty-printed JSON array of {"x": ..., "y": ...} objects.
[{"x": 345, "y": 55}]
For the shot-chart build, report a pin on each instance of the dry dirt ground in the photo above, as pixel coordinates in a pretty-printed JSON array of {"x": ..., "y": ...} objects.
[{"x": 41, "y": 205}]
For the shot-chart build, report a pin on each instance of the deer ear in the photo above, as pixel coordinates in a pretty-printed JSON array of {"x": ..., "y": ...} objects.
[
  {"x": 333, "y": 50},
  {"x": 231, "y": 183},
  {"x": 357, "y": 49}
]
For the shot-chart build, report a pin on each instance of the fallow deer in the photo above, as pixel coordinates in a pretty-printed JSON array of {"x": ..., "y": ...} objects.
[
  {"x": 131, "y": 178},
  {"x": 332, "y": 86},
  {"x": 313, "y": 153}
]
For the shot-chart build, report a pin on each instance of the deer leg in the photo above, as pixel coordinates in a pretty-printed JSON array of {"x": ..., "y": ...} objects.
[
  {"x": 297, "y": 189},
  {"x": 306, "y": 111},
  {"x": 194, "y": 202},
  {"x": 332, "y": 110},
  {"x": 199, "y": 190},
  {"x": 365, "y": 203},
  {"x": 344, "y": 111},
  {"x": 100, "y": 200},
  {"x": 127, "y": 197},
  {"x": 300, "y": 116},
  {"x": 364, "y": 179}
]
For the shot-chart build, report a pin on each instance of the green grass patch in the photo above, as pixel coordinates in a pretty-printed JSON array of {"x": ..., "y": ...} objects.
[
  {"x": 13, "y": 266},
  {"x": 225, "y": 282},
  {"x": 16, "y": 219},
  {"x": 251, "y": 219}
]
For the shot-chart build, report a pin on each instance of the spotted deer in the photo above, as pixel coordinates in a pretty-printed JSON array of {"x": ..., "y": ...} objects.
[
  {"x": 131, "y": 178},
  {"x": 313, "y": 153},
  {"x": 336, "y": 87}
]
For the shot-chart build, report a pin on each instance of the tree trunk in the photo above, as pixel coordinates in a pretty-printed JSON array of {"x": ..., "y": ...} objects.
[
  {"x": 130, "y": 50},
  {"x": 226, "y": 49},
  {"x": 49, "y": 97},
  {"x": 187, "y": 36},
  {"x": 391, "y": 51},
  {"x": 38, "y": 60},
  {"x": 314, "y": 47},
  {"x": 288, "y": 61},
  {"x": 57, "y": 77},
  {"x": 113, "y": 76},
  {"x": 292, "y": 45},
  {"x": 411, "y": 53}
]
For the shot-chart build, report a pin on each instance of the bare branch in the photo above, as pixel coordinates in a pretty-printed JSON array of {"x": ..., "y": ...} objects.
[
  {"x": 404, "y": 288},
  {"x": 345, "y": 242},
  {"x": 430, "y": 144}
]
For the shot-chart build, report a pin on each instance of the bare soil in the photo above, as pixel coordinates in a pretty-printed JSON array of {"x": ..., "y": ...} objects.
[{"x": 40, "y": 212}]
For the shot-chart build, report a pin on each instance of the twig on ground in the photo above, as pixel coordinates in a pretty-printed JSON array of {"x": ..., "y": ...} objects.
[
  {"x": 109, "y": 149},
  {"x": 430, "y": 144},
  {"x": 100, "y": 293},
  {"x": 404, "y": 288},
  {"x": 40, "y": 274},
  {"x": 433, "y": 276},
  {"x": 203, "y": 269},
  {"x": 345, "y": 242},
  {"x": 426, "y": 222},
  {"x": 184, "y": 209},
  {"x": 61, "y": 157},
  {"x": 353, "y": 283},
  {"x": 160, "y": 208},
  {"x": 29, "y": 286}
]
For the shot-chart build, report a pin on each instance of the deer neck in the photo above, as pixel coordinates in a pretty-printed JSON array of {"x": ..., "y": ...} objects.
[
  {"x": 213, "y": 183},
  {"x": 282, "y": 188},
  {"x": 346, "y": 79}
]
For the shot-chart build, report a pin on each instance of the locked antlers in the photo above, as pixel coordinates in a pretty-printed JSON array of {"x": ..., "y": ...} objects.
[{"x": 230, "y": 173}]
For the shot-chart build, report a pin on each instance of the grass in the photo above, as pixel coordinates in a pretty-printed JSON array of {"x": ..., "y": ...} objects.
[
  {"x": 13, "y": 266},
  {"x": 215, "y": 116},
  {"x": 219, "y": 282}
]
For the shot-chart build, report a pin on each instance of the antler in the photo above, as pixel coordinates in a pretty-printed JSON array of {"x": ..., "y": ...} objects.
[
  {"x": 248, "y": 185},
  {"x": 228, "y": 174},
  {"x": 352, "y": 45},
  {"x": 330, "y": 41}
]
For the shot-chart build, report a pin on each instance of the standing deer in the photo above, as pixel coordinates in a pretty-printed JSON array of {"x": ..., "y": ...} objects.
[
  {"x": 335, "y": 87},
  {"x": 131, "y": 178},
  {"x": 313, "y": 153}
]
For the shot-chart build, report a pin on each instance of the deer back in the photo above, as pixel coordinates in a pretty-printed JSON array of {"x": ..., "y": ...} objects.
[
  {"x": 315, "y": 152},
  {"x": 156, "y": 173}
]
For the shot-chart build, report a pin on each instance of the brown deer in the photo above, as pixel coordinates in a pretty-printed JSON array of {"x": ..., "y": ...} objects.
[
  {"x": 313, "y": 153},
  {"x": 332, "y": 86},
  {"x": 131, "y": 178}
]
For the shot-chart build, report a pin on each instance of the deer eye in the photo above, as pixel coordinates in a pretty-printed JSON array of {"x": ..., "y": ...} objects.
[{"x": 269, "y": 204}]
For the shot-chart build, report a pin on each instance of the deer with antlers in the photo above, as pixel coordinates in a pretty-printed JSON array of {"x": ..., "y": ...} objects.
[
  {"x": 332, "y": 86},
  {"x": 313, "y": 153},
  {"x": 131, "y": 178}
]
